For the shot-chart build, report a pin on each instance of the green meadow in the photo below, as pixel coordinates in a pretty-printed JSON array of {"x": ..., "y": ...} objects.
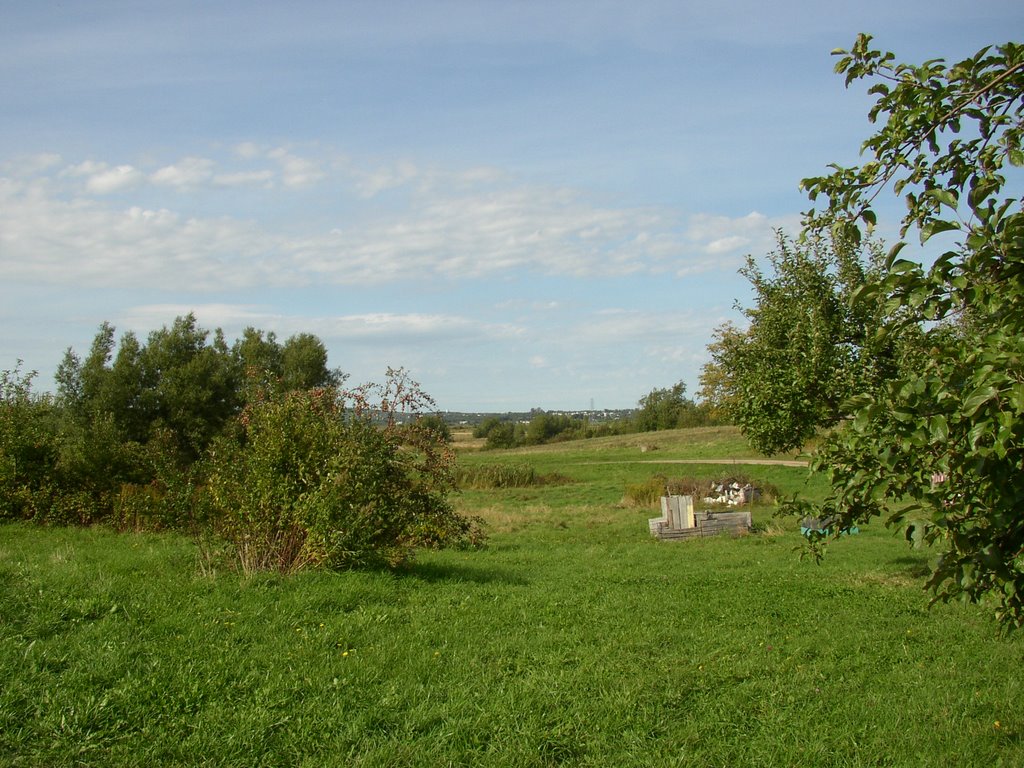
[{"x": 572, "y": 638}]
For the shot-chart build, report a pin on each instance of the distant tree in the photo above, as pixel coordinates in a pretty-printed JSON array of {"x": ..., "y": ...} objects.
[
  {"x": 435, "y": 423},
  {"x": 304, "y": 364},
  {"x": 133, "y": 416},
  {"x": 259, "y": 358},
  {"x": 551, "y": 427},
  {"x": 497, "y": 432},
  {"x": 482, "y": 429},
  {"x": 718, "y": 389},
  {"x": 29, "y": 448},
  {"x": 192, "y": 384},
  {"x": 807, "y": 348},
  {"x": 666, "y": 409},
  {"x": 106, "y": 418}
]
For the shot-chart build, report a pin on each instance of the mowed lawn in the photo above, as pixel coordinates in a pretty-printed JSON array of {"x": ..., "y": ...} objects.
[{"x": 573, "y": 638}]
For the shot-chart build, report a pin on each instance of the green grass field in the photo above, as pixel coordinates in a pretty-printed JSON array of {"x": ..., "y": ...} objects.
[{"x": 573, "y": 638}]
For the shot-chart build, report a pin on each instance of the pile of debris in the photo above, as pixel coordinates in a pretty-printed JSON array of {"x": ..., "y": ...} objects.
[{"x": 732, "y": 494}]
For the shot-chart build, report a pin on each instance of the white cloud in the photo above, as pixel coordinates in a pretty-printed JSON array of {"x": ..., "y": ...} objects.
[
  {"x": 471, "y": 236},
  {"x": 193, "y": 172},
  {"x": 263, "y": 178},
  {"x": 720, "y": 234},
  {"x": 231, "y": 317},
  {"x": 446, "y": 229},
  {"x": 113, "y": 179},
  {"x": 379, "y": 326},
  {"x": 248, "y": 150},
  {"x": 189, "y": 172},
  {"x": 374, "y": 182},
  {"x": 612, "y": 325},
  {"x": 29, "y": 165},
  {"x": 85, "y": 168},
  {"x": 726, "y": 244},
  {"x": 83, "y": 242},
  {"x": 370, "y": 328},
  {"x": 296, "y": 171}
]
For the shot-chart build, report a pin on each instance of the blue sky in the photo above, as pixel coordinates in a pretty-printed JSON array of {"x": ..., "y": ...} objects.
[{"x": 526, "y": 204}]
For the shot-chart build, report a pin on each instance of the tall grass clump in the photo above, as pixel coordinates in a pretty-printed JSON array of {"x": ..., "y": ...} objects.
[{"x": 487, "y": 476}]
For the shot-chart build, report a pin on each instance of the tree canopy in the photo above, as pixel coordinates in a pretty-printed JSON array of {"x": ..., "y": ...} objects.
[
  {"x": 806, "y": 348},
  {"x": 938, "y": 450},
  {"x": 668, "y": 408}
]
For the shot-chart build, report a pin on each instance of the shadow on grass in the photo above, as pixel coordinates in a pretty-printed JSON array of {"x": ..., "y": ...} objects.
[
  {"x": 436, "y": 572},
  {"x": 915, "y": 567}
]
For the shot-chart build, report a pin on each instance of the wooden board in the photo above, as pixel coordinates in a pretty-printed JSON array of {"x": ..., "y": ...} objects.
[{"x": 706, "y": 524}]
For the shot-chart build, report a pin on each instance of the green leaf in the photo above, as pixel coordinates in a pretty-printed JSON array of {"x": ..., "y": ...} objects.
[
  {"x": 1016, "y": 398},
  {"x": 846, "y": 230},
  {"x": 945, "y": 197},
  {"x": 939, "y": 428},
  {"x": 978, "y": 398},
  {"x": 890, "y": 258},
  {"x": 935, "y": 226},
  {"x": 902, "y": 266}
]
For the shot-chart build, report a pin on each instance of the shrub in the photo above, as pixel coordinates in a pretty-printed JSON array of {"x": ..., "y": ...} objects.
[
  {"x": 309, "y": 481},
  {"x": 28, "y": 448}
]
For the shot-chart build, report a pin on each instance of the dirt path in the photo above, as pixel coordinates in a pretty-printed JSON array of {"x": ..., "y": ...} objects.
[{"x": 764, "y": 462}]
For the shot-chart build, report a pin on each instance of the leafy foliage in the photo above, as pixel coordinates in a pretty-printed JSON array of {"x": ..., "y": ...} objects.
[
  {"x": 806, "y": 349},
  {"x": 436, "y": 423},
  {"x": 499, "y": 433},
  {"x": 550, "y": 427},
  {"x": 938, "y": 451},
  {"x": 29, "y": 447},
  {"x": 256, "y": 441},
  {"x": 668, "y": 408},
  {"x": 311, "y": 479}
]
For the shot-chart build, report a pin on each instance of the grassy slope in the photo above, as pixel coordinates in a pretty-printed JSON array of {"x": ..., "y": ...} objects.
[{"x": 572, "y": 639}]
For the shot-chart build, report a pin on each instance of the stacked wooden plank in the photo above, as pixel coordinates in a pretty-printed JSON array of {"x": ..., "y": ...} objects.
[{"x": 679, "y": 521}]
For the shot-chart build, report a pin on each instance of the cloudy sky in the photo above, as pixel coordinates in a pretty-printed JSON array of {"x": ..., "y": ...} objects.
[{"x": 526, "y": 204}]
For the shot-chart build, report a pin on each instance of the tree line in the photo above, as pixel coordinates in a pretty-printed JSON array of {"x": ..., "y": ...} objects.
[
  {"x": 258, "y": 442},
  {"x": 661, "y": 408}
]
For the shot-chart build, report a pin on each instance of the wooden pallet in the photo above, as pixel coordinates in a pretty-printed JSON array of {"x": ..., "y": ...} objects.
[{"x": 679, "y": 521}]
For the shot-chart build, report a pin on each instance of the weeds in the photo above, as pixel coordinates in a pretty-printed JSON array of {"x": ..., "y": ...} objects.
[
  {"x": 486, "y": 476},
  {"x": 647, "y": 492}
]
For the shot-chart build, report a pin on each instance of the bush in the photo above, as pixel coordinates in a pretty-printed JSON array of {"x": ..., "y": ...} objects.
[
  {"x": 310, "y": 482},
  {"x": 29, "y": 448}
]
